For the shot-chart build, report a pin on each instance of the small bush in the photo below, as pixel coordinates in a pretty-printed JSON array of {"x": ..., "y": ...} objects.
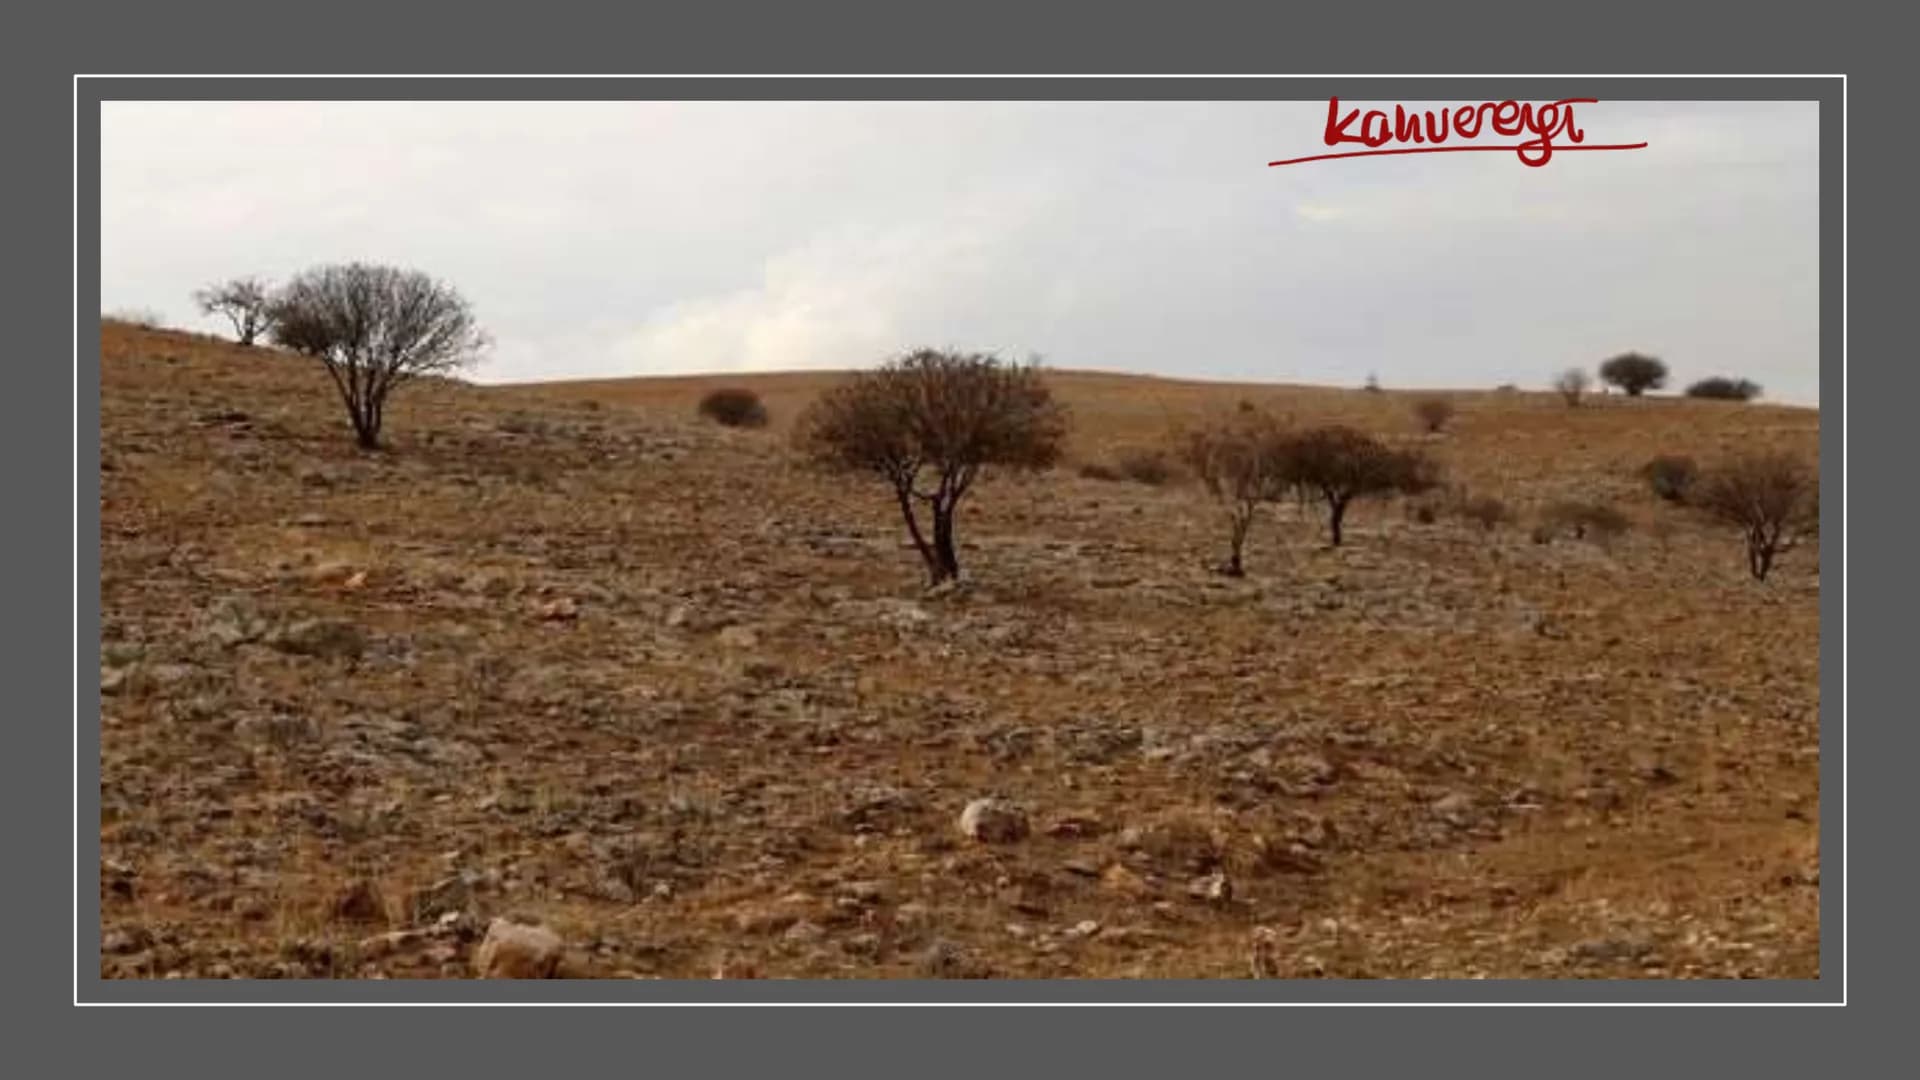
[
  {"x": 1572, "y": 385},
  {"x": 1239, "y": 459},
  {"x": 734, "y": 407},
  {"x": 1583, "y": 521},
  {"x": 1773, "y": 498},
  {"x": 1339, "y": 464},
  {"x": 145, "y": 318},
  {"x": 1670, "y": 476},
  {"x": 1094, "y": 470},
  {"x": 1433, "y": 413},
  {"x": 1721, "y": 388},
  {"x": 1486, "y": 511},
  {"x": 1144, "y": 466}
]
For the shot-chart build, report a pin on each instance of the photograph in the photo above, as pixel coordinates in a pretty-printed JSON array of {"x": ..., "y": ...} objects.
[{"x": 694, "y": 537}]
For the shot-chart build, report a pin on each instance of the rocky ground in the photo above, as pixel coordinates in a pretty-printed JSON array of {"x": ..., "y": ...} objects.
[{"x": 567, "y": 657}]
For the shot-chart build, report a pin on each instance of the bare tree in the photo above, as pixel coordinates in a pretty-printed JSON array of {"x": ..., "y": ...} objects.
[
  {"x": 1239, "y": 460},
  {"x": 1635, "y": 373},
  {"x": 1773, "y": 497},
  {"x": 375, "y": 328},
  {"x": 246, "y": 302},
  {"x": 929, "y": 423},
  {"x": 1572, "y": 385},
  {"x": 1339, "y": 464}
]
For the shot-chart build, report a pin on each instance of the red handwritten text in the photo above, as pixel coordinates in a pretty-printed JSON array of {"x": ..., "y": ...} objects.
[{"x": 1375, "y": 129}]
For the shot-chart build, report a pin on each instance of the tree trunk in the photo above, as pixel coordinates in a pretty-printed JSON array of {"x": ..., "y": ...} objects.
[
  {"x": 1759, "y": 557},
  {"x": 948, "y": 565},
  {"x": 920, "y": 544},
  {"x": 1336, "y": 514},
  {"x": 1242, "y": 522}
]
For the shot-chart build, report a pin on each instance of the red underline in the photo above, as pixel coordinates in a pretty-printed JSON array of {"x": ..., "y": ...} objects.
[{"x": 1452, "y": 150}]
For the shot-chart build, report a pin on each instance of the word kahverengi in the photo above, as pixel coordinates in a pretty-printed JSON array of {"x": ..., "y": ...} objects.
[{"x": 1375, "y": 129}]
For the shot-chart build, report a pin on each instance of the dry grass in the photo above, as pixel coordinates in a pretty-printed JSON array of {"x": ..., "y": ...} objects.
[{"x": 651, "y": 681}]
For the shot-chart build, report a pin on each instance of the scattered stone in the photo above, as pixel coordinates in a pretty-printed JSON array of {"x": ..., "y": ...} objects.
[
  {"x": 124, "y": 941},
  {"x": 321, "y": 637},
  {"x": 993, "y": 821},
  {"x": 514, "y": 950},
  {"x": 559, "y": 609},
  {"x": 1454, "y": 808},
  {"x": 1214, "y": 888}
]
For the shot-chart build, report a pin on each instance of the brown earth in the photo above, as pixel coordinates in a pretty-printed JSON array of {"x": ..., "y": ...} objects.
[{"x": 567, "y": 654}]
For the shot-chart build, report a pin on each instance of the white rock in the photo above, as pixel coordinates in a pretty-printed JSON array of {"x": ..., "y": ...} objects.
[
  {"x": 993, "y": 821},
  {"x": 517, "y": 951}
]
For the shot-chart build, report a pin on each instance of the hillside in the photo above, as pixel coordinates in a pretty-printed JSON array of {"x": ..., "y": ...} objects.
[{"x": 565, "y": 652}]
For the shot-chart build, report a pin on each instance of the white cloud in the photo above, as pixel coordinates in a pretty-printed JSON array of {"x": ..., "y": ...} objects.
[{"x": 601, "y": 239}]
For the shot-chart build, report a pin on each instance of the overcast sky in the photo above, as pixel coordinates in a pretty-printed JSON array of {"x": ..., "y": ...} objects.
[{"x": 605, "y": 239}]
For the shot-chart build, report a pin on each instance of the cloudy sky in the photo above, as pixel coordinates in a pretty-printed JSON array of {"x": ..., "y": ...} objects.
[{"x": 605, "y": 239}]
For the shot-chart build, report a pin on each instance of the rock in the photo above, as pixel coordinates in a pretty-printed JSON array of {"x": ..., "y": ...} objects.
[
  {"x": 1122, "y": 880},
  {"x": 514, "y": 950},
  {"x": 1214, "y": 888},
  {"x": 321, "y": 637},
  {"x": 113, "y": 680},
  {"x": 1454, "y": 808},
  {"x": 559, "y": 609},
  {"x": 945, "y": 960},
  {"x": 1264, "y": 954},
  {"x": 803, "y": 932},
  {"x": 235, "y": 620},
  {"x": 738, "y": 637},
  {"x": 993, "y": 821},
  {"x": 122, "y": 942}
]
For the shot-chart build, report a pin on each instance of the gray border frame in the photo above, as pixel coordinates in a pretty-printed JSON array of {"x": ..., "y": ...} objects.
[{"x": 1829, "y": 92}]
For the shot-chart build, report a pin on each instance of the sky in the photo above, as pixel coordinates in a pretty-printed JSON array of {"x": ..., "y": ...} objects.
[{"x": 604, "y": 239}]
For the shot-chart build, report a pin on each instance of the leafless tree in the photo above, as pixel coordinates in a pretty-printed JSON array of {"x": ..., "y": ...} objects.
[
  {"x": 246, "y": 302},
  {"x": 1572, "y": 385},
  {"x": 930, "y": 423},
  {"x": 1339, "y": 464},
  {"x": 1238, "y": 458},
  {"x": 375, "y": 328},
  {"x": 1773, "y": 497}
]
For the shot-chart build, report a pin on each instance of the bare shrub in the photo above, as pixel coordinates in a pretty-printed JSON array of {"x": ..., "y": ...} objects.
[
  {"x": 1338, "y": 465},
  {"x": 1433, "y": 413},
  {"x": 1095, "y": 470},
  {"x": 1145, "y": 465},
  {"x": 929, "y": 423},
  {"x": 375, "y": 328},
  {"x": 1485, "y": 511},
  {"x": 1572, "y": 385},
  {"x": 734, "y": 407},
  {"x": 1238, "y": 459},
  {"x": 1722, "y": 388},
  {"x": 1634, "y": 373},
  {"x": 144, "y": 318},
  {"x": 1773, "y": 497},
  {"x": 1583, "y": 521},
  {"x": 1670, "y": 476},
  {"x": 246, "y": 302}
]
